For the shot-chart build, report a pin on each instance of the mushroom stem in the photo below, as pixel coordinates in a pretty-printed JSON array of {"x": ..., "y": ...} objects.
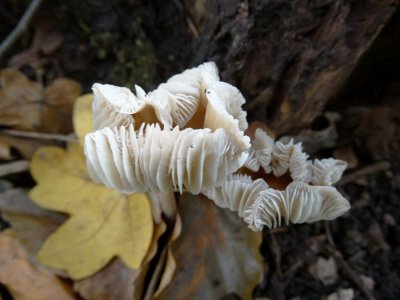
[
  {"x": 168, "y": 205},
  {"x": 163, "y": 203}
]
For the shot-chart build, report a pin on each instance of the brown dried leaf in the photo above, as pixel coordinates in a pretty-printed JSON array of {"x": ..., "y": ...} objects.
[
  {"x": 59, "y": 99},
  {"x": 216, "y": 254},
  {"x": 5, "y": 151},
  {"x": 115, "y": 281},
  {"x": 324, "y": 270},
  {"x": 25, "y": 105},
  {"x": 24, "y": 278},
  {"x": 19, "y": 100},
  {"x": 32, "y": 224}
]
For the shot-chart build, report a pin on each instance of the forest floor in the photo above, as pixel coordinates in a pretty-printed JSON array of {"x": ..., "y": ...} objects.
[{"x": 358, "y": 253}]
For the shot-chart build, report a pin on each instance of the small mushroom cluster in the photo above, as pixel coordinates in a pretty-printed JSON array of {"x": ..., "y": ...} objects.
[
  {"x": 308, "y": 197},
  {"x": 189, "y": 135}
]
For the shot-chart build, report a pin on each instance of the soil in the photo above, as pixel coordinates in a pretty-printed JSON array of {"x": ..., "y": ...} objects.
[{"x": 128, "y": 42}]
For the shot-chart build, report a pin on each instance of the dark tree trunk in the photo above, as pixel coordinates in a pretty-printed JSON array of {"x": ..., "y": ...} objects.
[{"x": 288, "y": 57}]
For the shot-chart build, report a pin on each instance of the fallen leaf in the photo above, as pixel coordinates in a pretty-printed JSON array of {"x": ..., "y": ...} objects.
[
  {"x": 103, "y": 224},
  {"x": 115, "y": 281},
  {"x": 164, "y": 263},
  {"x": 215, "y": 255},
  {"x": 324, "y": 270},
  {"x": 28, "y": 106},
  {"x": 59, "y": 98},
  {"x": 168, "y": 273},
  {"x": 19, "y": 100},
  {"x": 83, "y": 116},
  {"x": 5, "y": 151},
  {"x": 31, "y": 223},
  {"x": 25, "y": 279}
]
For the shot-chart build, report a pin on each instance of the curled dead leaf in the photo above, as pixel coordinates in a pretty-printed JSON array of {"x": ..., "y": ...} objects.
[
  {"x": 23, "y": 277},
  {"x": 215, "y": 254}
]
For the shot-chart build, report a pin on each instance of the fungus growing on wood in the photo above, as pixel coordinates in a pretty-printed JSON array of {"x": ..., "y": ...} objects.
[
  {"x": 165, "y": 153},
  {"x": 308, "y": 198},
  {"x": 188, "y": 135}
]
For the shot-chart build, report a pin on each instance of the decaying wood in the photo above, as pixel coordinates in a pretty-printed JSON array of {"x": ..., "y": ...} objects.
[{"x": 288, "y": 57}]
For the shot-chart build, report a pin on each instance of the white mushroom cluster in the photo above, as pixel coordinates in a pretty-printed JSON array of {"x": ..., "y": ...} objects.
[
  {"x": 308, "y": 198},
  {"x": 188, "y": 135},
  {"x": 279, "y": 158}
]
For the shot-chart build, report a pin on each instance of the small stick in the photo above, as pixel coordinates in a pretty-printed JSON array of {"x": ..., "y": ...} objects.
[
  {"x": 38, "y": 135},
  {"x": 368, "y": 170},
  {"x": 14, "y": 167},
  {"x": 293, "y": 269},
  {"x": 20, "y": 28}
]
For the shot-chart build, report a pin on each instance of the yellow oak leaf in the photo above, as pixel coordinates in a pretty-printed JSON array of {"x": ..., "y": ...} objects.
[
  {"x": 103, "y": 223},
  {"x": 83, "y": 116}
]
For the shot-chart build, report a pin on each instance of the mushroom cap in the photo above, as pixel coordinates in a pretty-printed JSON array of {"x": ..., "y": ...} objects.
[
  {"x": 105, "y": 114},
  {"x": 260, "y": 153},
  {"x": 299, "y": 165},
  {"x": 260, "y": 205},
  {"x": 299, "y": 203},
  {"x": 327, "y": 171},
  {"x": 281, "y": 157},
  {"x": 155, "y": 159},
  {"x": 224, "y": 111},
  {"x": 237, "y": 193}
]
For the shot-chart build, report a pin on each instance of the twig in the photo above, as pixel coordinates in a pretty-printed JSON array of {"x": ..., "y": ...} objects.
[
  {"x": 38, "y": 135},
  {"x": 371, "y": 169},
  {"x": 350, "y": 274},
  {"x": 14, "y": 167},
  {"x": 20, "y": 28},
  {"x": 293, "y": 269}
]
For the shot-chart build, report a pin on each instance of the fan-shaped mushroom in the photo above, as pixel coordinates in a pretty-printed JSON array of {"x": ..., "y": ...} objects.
[
  {"x": 157, "y": 159},
  {"x": 261, "y": 206},
  {"x": 152, "y": 159}
]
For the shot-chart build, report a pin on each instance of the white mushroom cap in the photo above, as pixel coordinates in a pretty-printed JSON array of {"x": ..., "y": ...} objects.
[
  {"x": 261, "y": 206},
  {"x": 260, "y": 153},
  {"x": 237, "y": 193},
  {"x": 299, "y": 165},
  {"x": 327, "y": 171},
  {"x": 281, "y": 157},
  {"x": 112, "y": 104},
  {"x": 161, "y": 160},
  {"x": 224, "y": 111},
  {"x": 299, "y": 203},
  {"x": 182, "y": 94},
  {"x": 104, "y": 112},
  {"x": 120, "y": 99}
]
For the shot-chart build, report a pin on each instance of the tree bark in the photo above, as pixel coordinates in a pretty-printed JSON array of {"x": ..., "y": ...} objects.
[{"x": 289, "y": 57}]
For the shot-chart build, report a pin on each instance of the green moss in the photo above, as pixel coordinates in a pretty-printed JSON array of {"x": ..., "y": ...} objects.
[{"x": 136, "y": 64}]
